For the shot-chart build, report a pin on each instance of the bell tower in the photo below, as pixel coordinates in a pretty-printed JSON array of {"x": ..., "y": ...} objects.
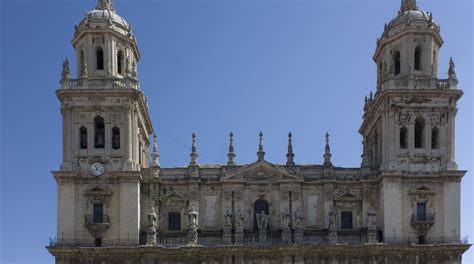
[
  {"x": 106, "y": 133},
  {"x": 408, "y": 130}
]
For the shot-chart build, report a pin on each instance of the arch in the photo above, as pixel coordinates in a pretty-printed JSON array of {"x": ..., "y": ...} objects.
[
  {"x": 435, "y": 138},
  {"x": 120, "y": 62},
  {"x": 83, "y": 137},
  {"x": 82, "y": 62},
  {"x": 99, "y": 58},
  {"x": 417, "y": 58},
  {"x": 396, "y": 60},
  {"x": 403, "y": 137},
  {"x": 115, "y": 138},
  {"x": 260, "y": 205},
  {"x": 99, "y": 137},
  {"x": 419, "y": 132}
]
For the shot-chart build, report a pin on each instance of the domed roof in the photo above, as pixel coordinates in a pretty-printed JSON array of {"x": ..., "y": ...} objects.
[
  {"x": 100, "y": 15},
  {"x": 409, "y": 16}
]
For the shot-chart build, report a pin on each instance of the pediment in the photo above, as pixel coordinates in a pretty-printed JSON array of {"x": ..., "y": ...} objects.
[{"x": 261, "y": 171}]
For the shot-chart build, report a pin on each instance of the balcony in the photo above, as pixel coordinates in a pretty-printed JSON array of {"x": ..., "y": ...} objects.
[
  {"x": 106, "y": 83},
  {"x": 97, "y": 225},
  {"x": 417, "y": 219}
]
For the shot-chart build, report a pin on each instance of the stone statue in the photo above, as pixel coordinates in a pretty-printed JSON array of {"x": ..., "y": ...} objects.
[
  {"x": 152, "y": 218},
  {"x": 285, "y": 219},
  {"x": 193, "y": 216},
  {"x": 228, "y": 218},
  {"x": 333, "y": 220},
  {"x": 262, "y": 221},
  {"x": 298, "y": 220},
  {"x": 239, "y": 221},
  {"x": 371, "y": 219}
]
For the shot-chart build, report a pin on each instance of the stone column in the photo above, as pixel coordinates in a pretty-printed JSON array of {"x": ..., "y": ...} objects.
[
  {"x": 127, "y": 135},
  {"x": 68, "y": 137}
]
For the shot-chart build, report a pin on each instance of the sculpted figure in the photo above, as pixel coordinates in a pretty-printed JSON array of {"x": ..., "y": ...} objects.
[
  {"x": 262, "y": 221},
  {"x": 152, "y": 218},
  {"x": 298, "y": 220},
  {"x": 193, "y": 216},
  {"x": 333, "y": 220},
  {"x": 285, "y": 219},
  {"x": 228, "y": 218},
  {"x": 239, "y": 221},
  {"x": 371, "y": 219}
]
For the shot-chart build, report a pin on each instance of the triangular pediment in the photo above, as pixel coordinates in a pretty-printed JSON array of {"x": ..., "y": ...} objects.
[{"x": 261, "y": 171}]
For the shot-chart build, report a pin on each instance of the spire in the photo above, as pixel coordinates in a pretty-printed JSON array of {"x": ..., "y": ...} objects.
[
  {"x": 408, "y": 5},
  {"x": 66, "y": 73},
  {"x": 260, "y": 153},
  {"x": 105, "y": 5},
  {"x": 452, "y": 69},
  {"x": 154, "y": 155},
  {"x": 193, "y": 154},
  {"x": 231, "y": 154},
  {"x": 290, "y": 156},
  {"x": 327, "y": 152}
]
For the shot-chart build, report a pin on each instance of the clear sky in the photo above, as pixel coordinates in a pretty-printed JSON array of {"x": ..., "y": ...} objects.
[{"x": 210, "y": 66}]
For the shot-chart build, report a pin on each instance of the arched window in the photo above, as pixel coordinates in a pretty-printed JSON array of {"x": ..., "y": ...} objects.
[
  {"x": 115, "y": 138},
  {"x": 81, "y": 62},
  {"x": 403, "y": 138},
  {"x": 120, "y": 62},
  {"x": 435, "y": 138},
  {"x": 99, "y": 137},
  {"x": 83, "y": 138},
  {"x": 419, "y": 132},
  {"x": 396, "y": 62},
  {"x": 99, "y": 56},
  {"x": 418, "y": 51},
  {"x": 260, "y": 206}
]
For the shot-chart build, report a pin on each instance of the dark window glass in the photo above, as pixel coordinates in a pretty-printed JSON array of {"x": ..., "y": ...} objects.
[
  {"x": 346, "y": 220},
  {"x": 115, "y": 138},
  {"x": 98, "y": 242},
  {"x": 98, "y": 216},
  {"x": 99, "y": 132},
  {"x": 421, "y": 211},
  {"x": 100, "y": 59},
  {"x": 259, "y": 207},
  {"x": 397, "y": 62},
  {"x": 174, "y": 221},
  {"x": 83, "y": 138},
  {"x": 418, "y": 58},
  {"x": 120, "y": 62},
  {"x": 403, "y": 138},
  {"x": 419, "y": 132},
  {"x": 435, "y": 138}
]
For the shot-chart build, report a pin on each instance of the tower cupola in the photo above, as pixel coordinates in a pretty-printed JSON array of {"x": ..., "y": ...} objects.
[{"x": 105, "y": 45}]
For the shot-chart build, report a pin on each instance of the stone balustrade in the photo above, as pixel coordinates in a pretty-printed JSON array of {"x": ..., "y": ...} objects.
[
  {"x": 108, "y": 83},
  {"x": 421, "y": 83}
]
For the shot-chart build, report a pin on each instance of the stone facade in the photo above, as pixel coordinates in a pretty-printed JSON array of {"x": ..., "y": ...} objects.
[{"x": 115, "y": 205}]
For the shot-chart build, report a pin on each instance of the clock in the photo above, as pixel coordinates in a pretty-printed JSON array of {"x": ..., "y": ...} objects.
[{"x": 97, "y": 169}]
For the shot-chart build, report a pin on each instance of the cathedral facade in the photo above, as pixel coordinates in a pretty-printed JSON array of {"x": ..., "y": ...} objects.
[{"x": 116, "y": 204}]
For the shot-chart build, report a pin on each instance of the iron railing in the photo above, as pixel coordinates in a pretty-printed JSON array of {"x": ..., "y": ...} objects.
[{"x": 104, "y": 219}]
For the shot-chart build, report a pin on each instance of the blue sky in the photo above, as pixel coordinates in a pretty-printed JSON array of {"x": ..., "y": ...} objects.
[{"x": 210, "y": 67}]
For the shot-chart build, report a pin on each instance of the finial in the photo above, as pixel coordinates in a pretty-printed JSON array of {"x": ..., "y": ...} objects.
[
  {"x": 193, "y": 154},
  {"x": 66, "y": 73},
  {"x": 371, "y": 96},
  {"x": 452, "y": 69},
  {"x": 290, "y": 156},
  {"x": 408, "y": 5},
  {"x": 260, "y": 153},
  {"x": 327, "y": 152},
  {"x": 154, "y": 155},
  {"x": 105, "y": 5},
  {"x": 231, "y": 154}
]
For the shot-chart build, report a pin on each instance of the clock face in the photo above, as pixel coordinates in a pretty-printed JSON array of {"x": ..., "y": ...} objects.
[{"x": 97, "y": 169}]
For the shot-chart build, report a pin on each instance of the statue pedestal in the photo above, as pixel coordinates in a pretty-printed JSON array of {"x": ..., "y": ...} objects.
[
  {"x": 239, "y": 236},
  {"x": 151, "y": 237},
  {"x": 286, "y": 235},
  {"x": 192, "y": 235},
  {"x": 372, "y": 237},
  {"x": 332, "y": 236},
  {"x": 227, "y": 236},
  {"x": 299, "y": 236},
  {"x": 262, "y": 236}
]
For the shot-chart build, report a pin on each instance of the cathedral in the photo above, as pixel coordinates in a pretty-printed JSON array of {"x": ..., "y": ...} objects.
[{"x": 116, "y": 204}]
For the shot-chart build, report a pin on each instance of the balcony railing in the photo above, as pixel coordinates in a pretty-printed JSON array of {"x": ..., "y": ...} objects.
[
  {"x": 421, "y": 83},
  {"x": 422, "y": 218},
  {"x": 309, "y": 239},
  {"x": 104, "y": 219},
  {"x": 110, "y": 83}
]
